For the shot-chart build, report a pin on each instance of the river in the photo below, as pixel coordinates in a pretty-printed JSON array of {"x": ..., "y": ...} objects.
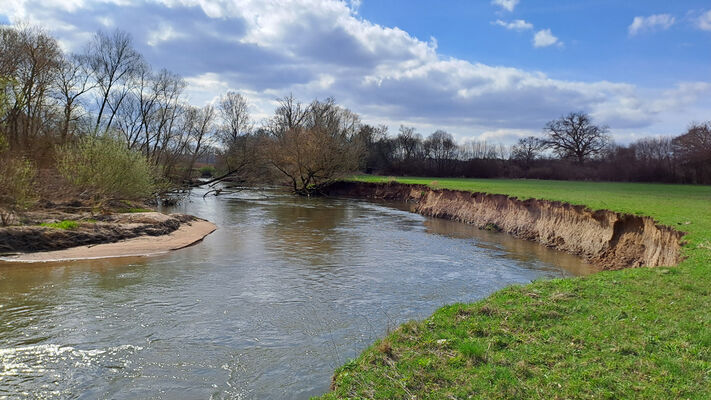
[{"x": 284, "y": 292}]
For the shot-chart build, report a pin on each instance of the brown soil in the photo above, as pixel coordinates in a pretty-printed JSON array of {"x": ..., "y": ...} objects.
[{"x": 608, "y": 239}]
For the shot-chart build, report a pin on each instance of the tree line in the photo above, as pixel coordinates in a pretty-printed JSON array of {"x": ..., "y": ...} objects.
[
  {"x": 76, "y": 117},
  {"x": 572, "y": 147}
]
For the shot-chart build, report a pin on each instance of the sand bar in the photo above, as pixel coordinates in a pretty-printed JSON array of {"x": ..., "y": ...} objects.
[{"x": 186, "y": 235}]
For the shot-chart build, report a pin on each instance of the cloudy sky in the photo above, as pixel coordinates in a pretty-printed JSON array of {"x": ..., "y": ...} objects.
[{"x": 481, "y": 69}]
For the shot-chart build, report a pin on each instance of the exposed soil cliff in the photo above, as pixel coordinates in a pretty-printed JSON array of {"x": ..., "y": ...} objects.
[{"x": 608, "y": 239}]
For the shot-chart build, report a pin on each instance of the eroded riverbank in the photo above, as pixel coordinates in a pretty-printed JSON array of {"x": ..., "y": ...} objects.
[{"x": 608, "y": 239}]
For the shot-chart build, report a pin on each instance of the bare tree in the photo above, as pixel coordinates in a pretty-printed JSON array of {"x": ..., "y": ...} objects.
[
  {"x": 653, "y": 149},
  {"x": 409, "y": 142},
  {"x": 113, "y": 62},
  {"x": 576, "y": 136},
  {"x": 527, "y": 149},
  {"x": 693, "y": 149},
  {"x": 30, "y": 65},
  {"x": 73, "y": 82},
  {"x": 312, "y": 145},
  {"x": 441, "y": 149},
  {"x": 201, "y": 129},
  {"x": 234, "y": 111}
]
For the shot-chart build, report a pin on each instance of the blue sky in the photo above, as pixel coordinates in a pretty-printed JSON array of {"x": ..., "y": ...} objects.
[
  {"x": 597, "y": 44},
  {"x": 491, "y": 70}
]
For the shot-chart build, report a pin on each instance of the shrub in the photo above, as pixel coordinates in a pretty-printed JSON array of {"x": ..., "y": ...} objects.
[
  {"x": 207, "y": 171},
  {"x": 17, "y": 177},
  {"x": 106, "y": 169}
]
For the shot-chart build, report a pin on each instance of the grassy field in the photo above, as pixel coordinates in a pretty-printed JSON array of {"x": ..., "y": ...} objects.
[{"x": 636, "y": 333}]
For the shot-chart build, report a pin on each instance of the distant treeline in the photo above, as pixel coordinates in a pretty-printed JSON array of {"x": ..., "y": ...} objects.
[{"x": 682, "y": 159}]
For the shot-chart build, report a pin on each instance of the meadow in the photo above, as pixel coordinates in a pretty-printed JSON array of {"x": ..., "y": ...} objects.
[{"x": 642, "y": 333}]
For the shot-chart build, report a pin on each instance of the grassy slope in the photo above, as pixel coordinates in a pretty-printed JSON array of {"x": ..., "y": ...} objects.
[{"x": 643, "y": 333}]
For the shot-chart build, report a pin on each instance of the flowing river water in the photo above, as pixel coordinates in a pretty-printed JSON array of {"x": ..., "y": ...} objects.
[{"x": 284, "y": 292}]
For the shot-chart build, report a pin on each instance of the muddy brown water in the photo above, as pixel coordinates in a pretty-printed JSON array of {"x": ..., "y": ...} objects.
[{"x": 286, "y": 290}]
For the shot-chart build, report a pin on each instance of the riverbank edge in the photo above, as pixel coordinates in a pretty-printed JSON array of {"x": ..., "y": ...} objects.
[
  {"x": 608, "y": 240},
  {"x": 147, "y": 234}
]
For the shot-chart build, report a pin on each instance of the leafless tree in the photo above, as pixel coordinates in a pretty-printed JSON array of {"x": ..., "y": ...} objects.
[
  {"x": 312, "y": 145},
  {"x": 653, "y": 149},
  {"x": 441, "y": 149},
  {"x": 73, "y": 82},
  {"x": 234, "y": 111},
  {"x": 113, "y": 62},
  {"x": 201, "y": 130},
  {"x": 695, "y": 144},
  {"x": 527, "y": 149},
  {"x": 408, "y": 142},
  {"x": 576, "y": 136},
  {"x": 30, "y": 62},
  {"x": 693, "y": 149},
  {"x": 482, "y": 150}
]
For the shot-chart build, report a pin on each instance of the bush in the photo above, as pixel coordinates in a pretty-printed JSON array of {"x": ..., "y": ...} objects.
[
  {"x": 17, "y": 177},
  {"x": 207, "y": 172},
  {"x": 106, "y": 169}
]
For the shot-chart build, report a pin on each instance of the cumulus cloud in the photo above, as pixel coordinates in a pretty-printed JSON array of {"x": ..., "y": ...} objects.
[
  {"x": 515, "y": 25},
  {"x": 269, "y": 48},
  {"x": 651, "y": 23},
  {"x": 507, "y": 5},
  {"x": 545, "y": 38},
  {"x": 704, "y": 21}
]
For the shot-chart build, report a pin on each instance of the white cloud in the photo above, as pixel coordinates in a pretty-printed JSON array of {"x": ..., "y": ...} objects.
[
  {"x": 651, "y": 23},
  {"x": 545, "y": 38},
  {"x": 269, "y": 48},
  {"x": 515, "y": 25},
  {"x": 507, "y": 5},
  {"x": 704, "y": 21},
  {"x": 163, "y": 33},
  {"x": 355, "y": 5}
]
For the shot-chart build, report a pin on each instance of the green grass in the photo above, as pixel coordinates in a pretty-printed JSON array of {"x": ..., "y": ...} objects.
[
  {"x": 636, "y": 333},
  {"x": 134, "y": 210},
  {"x": 66, "y": 224}
]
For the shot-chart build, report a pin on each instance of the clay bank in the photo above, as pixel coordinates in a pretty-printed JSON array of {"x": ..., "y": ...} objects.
[
  {"x": 607, "y": 239},
  {"x": 90, "y": 237}
]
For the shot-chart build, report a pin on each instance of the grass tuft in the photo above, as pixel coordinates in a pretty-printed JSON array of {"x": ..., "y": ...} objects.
[
  {"x": 66, "y": 224},
  {"x": 134, "y": 210}
]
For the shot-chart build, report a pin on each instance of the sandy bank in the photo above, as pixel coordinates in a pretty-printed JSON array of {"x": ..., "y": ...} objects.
[
  {"x": 607, "y": 239},
  {"x": 121, "y": 235}
]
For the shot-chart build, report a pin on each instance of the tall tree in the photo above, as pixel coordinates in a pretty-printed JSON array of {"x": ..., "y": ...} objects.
[
  {"x": 234, "y": 111},
  {"x": 576, "y": 136},
  {"x": 527, "y": 150},
  {"x": 113, "y": 62},
  {"x": 441, "y": 149},
  {"x": 73, "y": 82},
  {"x": 312, "y": 145},
  {"x": 693, "y": 150}
]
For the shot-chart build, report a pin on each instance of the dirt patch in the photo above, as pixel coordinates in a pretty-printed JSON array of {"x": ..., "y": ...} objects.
[{"x": 607, "y": 239}]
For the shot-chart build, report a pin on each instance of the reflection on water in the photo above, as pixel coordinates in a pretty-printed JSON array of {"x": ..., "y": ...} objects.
[{"x": 286, "y": 290}]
